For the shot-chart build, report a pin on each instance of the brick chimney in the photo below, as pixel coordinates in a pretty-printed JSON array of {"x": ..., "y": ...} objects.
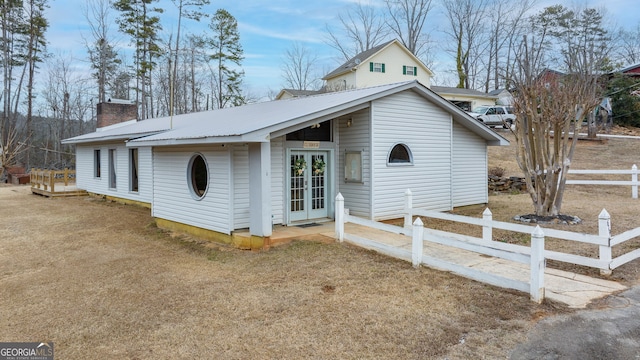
[{"x": 115, "y": 111}]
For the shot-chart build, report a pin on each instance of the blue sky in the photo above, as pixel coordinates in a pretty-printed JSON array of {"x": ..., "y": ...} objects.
[{"x": 268, "y": 28}]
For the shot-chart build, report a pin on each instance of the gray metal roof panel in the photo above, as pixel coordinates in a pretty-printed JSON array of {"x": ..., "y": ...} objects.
[{"x": 271, "y": 115}]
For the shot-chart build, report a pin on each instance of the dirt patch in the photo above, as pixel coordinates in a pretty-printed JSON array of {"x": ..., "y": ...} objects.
[{"x": 101, "y": 281}]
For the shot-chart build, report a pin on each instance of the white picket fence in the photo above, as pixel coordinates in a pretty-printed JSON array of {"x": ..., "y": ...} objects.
[
  {"x": 535, "y": 255},
  {"x": 633, "y": 183}
]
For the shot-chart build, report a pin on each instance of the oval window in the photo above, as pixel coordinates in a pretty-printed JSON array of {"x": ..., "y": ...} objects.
[
  {"x": 198, "y": 176},
  {"x": 400, "y": 154}
]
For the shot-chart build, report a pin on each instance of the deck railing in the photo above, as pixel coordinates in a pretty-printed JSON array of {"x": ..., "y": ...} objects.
[{"x": 46, "y": 180}]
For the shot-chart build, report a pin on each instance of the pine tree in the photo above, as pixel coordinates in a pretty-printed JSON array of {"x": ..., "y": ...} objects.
[
  {"x": 228, "y": 56},
  {"x": 137, "y": 20}
]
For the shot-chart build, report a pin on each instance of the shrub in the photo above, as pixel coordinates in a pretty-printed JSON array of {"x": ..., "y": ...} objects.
[{"x": 496, "y": 171}]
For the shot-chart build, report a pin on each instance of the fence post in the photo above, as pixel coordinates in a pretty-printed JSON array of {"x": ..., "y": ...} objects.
[
  {"x": 408, "y": 206},
  {"x": 52, "y": 181},
  {"x": 536, "y": 289},
  {"x": 487, "y": 230},
  {"x": 604, "y": 229},
  {"x": 417, "y": 243},
  {"x": 634, "y": 178},
  {"x": 66, "y": 176},
  {"x": 339, "y": 217}
]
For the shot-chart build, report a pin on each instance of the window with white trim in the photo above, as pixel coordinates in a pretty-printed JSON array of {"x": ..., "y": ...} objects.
[
  {"x": 112, "y": 168},
  {"x": 198, "y": 176},
  {"x": 133, "y": 170},
  {"x": 376, "y": 67},
  {"x": 400, "y": 154},
  {"x": 409, "y": 70},
  {"x": 96, "y": 163}
]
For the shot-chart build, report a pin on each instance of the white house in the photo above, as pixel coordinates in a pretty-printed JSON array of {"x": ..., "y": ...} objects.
[
  {"x": 387, "y": 63},
  {"x": 466, "y": 99},
  {"x": 283, "y": 162}
]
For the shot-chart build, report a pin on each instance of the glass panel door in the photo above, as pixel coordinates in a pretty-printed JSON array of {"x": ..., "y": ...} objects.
[
  {"x": 318, "y": 188},
  {"x": 298, "y": 185},
  {"x": 307, "y": 185}
]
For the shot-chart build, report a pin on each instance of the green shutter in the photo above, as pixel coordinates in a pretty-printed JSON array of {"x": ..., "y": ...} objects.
[
  {"x": 383, "y": 67},
  {"x": 415, "y": 71},
  {"x": 404, "y": 70},
  {"x": 371, "y": 66}
]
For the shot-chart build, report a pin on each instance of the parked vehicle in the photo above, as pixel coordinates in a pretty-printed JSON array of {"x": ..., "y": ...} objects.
[{"x": 494, "y": 115}]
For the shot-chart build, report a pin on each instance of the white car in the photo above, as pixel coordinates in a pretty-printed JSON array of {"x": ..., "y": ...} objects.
[{"x": 494, "y": 115}]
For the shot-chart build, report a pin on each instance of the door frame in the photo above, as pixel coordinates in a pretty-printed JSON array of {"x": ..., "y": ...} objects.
[{"x": 330, "y": 179}]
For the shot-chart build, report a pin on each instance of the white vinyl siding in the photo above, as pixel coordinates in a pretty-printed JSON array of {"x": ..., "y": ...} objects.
[
  {"x": 426, "y": 130},
  {"x": 469, "y": 168},
  {"x": 277, "y": 180},
  {"x": 172, "y": 199},
  {"x": 355, "y": 138},
  {"x": 87, "y": 181},
  {"x": 240, "y": 183}
]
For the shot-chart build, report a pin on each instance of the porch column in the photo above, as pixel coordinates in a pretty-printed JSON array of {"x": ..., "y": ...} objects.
[{"x": 260, "y": 189}]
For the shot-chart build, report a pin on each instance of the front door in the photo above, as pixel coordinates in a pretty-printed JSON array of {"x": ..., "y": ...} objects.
[{"x": 308, "y": 185}]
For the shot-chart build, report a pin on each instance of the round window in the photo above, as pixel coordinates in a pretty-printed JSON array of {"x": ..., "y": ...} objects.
[{"x": 198, "y": 176}]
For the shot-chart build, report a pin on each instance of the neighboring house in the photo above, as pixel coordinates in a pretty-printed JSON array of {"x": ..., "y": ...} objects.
[
  {"x": 466, "y": 99},
  {"x": 633, "y": 70},
  {"x": 550, "y": 77},
  {"x": 292, "y": 93},
  {"x": 390, "y": 63},
  {"x": 283, "y": 162},
  {"x": 504, "y": 97},
  {"x": 387, "y": 63}
]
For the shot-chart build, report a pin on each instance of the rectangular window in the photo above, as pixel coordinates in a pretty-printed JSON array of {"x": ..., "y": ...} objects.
[
  {"x": 96, "y": 163},
  {"x": 410, "y": 70},
  {"x": 112, "y": 168},
  {"x": 376, "y": 67},
  {"x": 133, "y": 170},
  {"x": 353, "y": 166}
]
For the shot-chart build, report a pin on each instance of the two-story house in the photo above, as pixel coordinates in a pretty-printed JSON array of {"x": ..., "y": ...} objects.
[{"x": 388, "y": 63}]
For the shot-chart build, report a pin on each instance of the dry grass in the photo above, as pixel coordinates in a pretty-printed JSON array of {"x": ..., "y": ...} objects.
[
  {"x": 101, "y": 281},
  {"x": 584, "y": 201}
]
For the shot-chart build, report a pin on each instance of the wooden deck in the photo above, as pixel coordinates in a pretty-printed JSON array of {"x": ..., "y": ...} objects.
[{"x": 55, "y": 183}]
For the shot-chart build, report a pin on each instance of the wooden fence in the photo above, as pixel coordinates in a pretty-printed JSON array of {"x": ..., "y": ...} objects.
[
  {"x": 534, "y": 255},
  {"x": 633, "y": 183}
]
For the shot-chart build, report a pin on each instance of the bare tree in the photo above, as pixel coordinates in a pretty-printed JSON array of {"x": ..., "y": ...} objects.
[
  {"x": 298, "y": 68},
  {"x": 362, "y": 28},
  {"x": 630, "y": 45},
  {"x": 466, "y": 21},
  {"x": 549, "y": 114},
  {"x": 504, "y": 31},
  {"x": 100, "y": 48},
  {"x": 12, "y": 24},
  {"x": 183, "y": 11},
  {"x": 406, "y": 20}
]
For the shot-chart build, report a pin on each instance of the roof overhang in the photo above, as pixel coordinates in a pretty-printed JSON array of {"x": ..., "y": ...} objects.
[{"x": 109, "y": 138}]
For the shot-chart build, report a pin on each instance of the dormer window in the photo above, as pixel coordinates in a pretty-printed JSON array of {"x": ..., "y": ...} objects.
[
  {"x": 409, "y": 70},
  {"x": 376, "y": 67}
]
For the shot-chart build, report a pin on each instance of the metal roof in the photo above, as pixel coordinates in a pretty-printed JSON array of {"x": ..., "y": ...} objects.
[
  {"x": 459, "y": 91},
  {"x": 258, "y": 122}
]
